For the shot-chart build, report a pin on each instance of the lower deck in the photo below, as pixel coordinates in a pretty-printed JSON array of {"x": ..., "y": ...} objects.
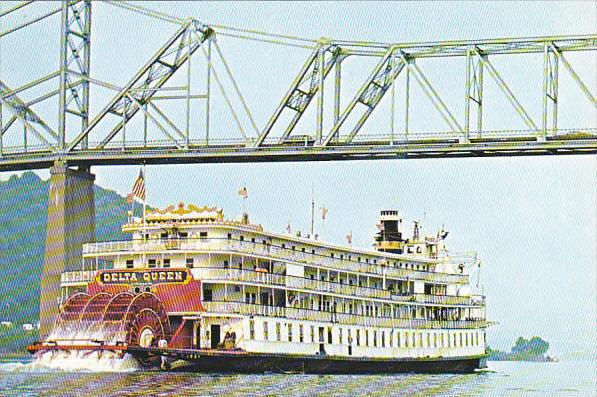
[
  {"x": 275, "y": 335},
  {"x": 216, "y": 361}
]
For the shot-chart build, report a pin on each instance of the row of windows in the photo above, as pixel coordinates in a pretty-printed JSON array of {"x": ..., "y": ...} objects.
[
  {"x": 151, "y": 263},
  {"x": 369, "y": 338},
  {"x": 204, "y": 234}
]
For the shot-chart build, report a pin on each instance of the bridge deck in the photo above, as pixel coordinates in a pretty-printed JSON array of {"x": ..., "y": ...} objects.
[{"x": 240, "y": 152}]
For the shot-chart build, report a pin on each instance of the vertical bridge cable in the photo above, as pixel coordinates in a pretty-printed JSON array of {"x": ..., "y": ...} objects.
[
  {"x": 240, "y": 95},
  {"x": 226, "y": 99}
]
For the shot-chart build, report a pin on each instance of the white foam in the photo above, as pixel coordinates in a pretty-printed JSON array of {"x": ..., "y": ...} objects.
[{"x": 75, "y": 361}]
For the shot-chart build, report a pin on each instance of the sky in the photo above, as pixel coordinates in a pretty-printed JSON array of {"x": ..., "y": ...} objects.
[{"x": 532, "y": 220}]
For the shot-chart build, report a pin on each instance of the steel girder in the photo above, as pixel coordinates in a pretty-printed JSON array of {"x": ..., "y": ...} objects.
[
  {"x": 396, "y": 57},
  {"x": 304, "y": 87},
  {"x": 148, "y": 80},
  {"x": 75, "y": 56},
  {"x": 523, "y": 143},
  {"x": 22, "y": 112},
  {"x": 477, "y": 59}
]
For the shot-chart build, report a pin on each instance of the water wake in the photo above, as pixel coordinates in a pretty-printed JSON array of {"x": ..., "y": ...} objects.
[{"x": 75, "y": 361}]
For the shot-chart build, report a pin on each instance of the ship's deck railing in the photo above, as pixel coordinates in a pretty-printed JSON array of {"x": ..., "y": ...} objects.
[
  {"x": 268, "y": 251},
  {"x": 249, "y": 309},
  {"x": 290, "y": 282},
  {"x": 215, "y": 274},
  {"x": 77, "y": 277}
]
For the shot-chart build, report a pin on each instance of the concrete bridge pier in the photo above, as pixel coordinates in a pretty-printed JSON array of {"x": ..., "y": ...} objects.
[{"x": 71, "y": 222}]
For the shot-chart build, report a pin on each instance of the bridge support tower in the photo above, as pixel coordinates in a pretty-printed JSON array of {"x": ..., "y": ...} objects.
[{"x": 71, "y": 223}]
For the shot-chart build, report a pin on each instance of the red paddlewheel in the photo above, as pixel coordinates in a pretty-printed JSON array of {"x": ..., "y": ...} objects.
[
  {"x": 73, "y": 307},
  {"x": 137, "y": 320},
  {"x": 146, "y": 313},
  {"x": 146, "y": 329}
]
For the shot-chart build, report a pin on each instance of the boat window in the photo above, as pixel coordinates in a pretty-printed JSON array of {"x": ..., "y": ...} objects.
[
  {"x": 301, "y": 334},
  {"x": 129, "y": 263},
  {"x": 190, "y": 262},
  {"x": 278, "y": 332},
  {"x": 265, "y": 331},
  {"x": 253, "y": 239},
  {"x": 152, "y": 263},
  {"x": 229, "y": 236},
  {"x": 166, "y": 262},
  {"x": 207, "y": 295},
  {"x": 251, "y": 329},
  {"x": 242, "y": 238},
  {"x": 313, "y": 252},
  {"x": 202, "y": 234},
  {"x": 289, "y": 332}
]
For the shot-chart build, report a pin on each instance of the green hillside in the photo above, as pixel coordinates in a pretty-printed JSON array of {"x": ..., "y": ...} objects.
[{"x": 23, "y": 207}]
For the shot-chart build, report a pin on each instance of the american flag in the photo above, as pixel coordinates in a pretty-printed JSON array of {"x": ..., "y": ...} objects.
[{"x": 138, "y": 188}]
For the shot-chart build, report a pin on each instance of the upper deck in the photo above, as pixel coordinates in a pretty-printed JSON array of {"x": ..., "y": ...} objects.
[{"x": 185, "y": 231}]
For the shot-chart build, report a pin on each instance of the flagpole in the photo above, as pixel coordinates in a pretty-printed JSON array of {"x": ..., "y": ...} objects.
[
  {"x": 144, "y": 203},
  {"x": 312, "y": 212}
]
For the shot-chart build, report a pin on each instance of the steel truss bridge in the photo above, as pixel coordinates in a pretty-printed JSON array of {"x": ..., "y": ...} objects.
[
  {"x": 81, "y": 137},
  {"x": 132, "y": 124}
]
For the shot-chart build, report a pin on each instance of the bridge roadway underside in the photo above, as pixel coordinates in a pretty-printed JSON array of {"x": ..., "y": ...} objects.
[{"x": 239, "y": 153}]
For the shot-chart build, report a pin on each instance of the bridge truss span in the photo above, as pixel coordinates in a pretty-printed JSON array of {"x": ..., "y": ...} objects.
[{"x": 329, "y": 112}]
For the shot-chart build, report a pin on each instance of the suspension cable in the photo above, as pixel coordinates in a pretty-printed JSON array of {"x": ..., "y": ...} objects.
[
  {"x": 146, "y": 11},
  {"x": 15, "y": 8},
  {"x": 246, "y": 34},
  {"x": 31, "y": 22}
]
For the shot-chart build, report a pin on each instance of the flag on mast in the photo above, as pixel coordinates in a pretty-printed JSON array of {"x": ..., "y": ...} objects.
[
  {"x": 243, "y": 192},
  {"x": 324, "y": 213},
  {"x": 138, "y": 189},
  {"x": 349, "y": 238}
]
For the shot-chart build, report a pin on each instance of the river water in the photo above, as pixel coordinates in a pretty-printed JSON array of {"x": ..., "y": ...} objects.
[{"x": 571, "y": 378}]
